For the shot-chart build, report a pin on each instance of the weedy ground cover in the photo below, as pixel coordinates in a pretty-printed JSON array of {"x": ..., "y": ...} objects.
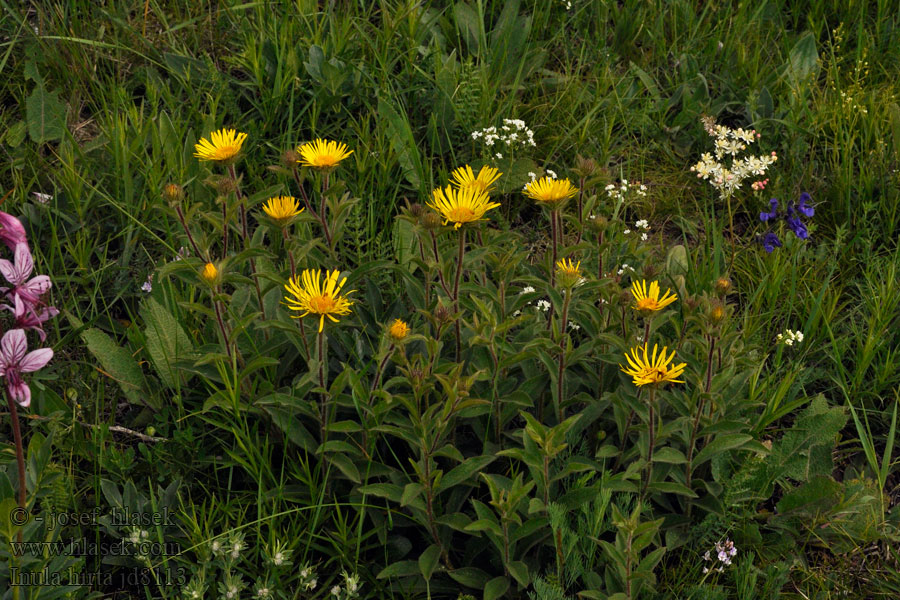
[{"x": 407, "y": 299}]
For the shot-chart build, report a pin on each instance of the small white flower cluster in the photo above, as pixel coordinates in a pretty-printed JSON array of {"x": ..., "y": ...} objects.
[
  {"x": 42, "y": 198},
  {"x": 641, "y": 224},
  {"x": 308, "y": 580},
  {"x": 789, "y": 337},
  {"x": 625, "y": 268},
  {"x": 512, "y": 133},
  {"x": 230, "y": 549},
  {"x": 621, "y": 191},
  {"x": 849, "y": 102},
  {"x": 350, "y": 589},
  {"x": 729, "y": 143},
  {"x": 725, "y": 551},
  {"x": 230, "y": 589},
  {"x": 136, "y": 537},
  {"x": 148, "y": 285}
]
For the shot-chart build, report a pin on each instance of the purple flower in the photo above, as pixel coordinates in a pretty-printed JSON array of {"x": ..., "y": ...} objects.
[
  {"x": 773, "y": 206},
  {"x": 11, "y": 231},
  {"x": 14, "y": 361},
  {"x": 797, "y": 227},
  {"x": 29, "y": 290},
  {"x": 33, "y": 319},
  {"x": 770, "y": 241},
  {"x": 806, "y": 211}
]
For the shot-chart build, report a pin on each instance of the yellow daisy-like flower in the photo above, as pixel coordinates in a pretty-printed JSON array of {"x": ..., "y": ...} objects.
[
  {"x": 649, "y": 301},
  {"x": 398, "y": 330},
  {"x": 653, "y": 369},
  {"x": 282, "y": 209},
  {"x": 550, "y": 191},
  {"x": 462, "y": 205},
  {"x": 465, "y": 178},
  {"x": 221, "y": 145},
  {"x": 568, "y": 268},
  {"x": 313, "y": 295},
  {"x": 323, "y": 154},
  {"x": 210, "y": 273}
]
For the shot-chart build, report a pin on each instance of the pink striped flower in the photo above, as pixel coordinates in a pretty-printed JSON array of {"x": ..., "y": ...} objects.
[
  {"x": 11, "y": 231},
  {"x": 15, "y": 360},
  {"x": 28, "y": 290}
]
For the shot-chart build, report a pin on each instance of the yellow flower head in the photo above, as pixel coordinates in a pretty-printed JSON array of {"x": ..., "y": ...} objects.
[
  {"x": 568, "y": 268},
  {"x": 462, "y": 205},
  {"x": 550, "y": 191},
  {"x": 465, "y": 178},
  {"x": 398, "y": 330},
  {"x": 654, "y": 369},
  {"x": 210, "y": 273},
  {"x": 313, "y": 295},
  {"x": 282, "y": 209},
  {"x": 323, "y": 154},
  {"x": 650, "y": 301},
  {"x": 222, "y": 145}
]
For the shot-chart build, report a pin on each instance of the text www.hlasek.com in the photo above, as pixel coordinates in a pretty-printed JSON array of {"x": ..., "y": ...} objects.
[{"x": 85, "y": 548}]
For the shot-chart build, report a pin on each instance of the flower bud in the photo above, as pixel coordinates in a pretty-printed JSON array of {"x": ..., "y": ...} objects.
[
  {"x": 650, "y": 272},
  {"x": 398, "y": 330},
  {"x": 723, "y": 286},
  {"x": 290, "y": 158},
  {"x": 717, "y": 312},
  {"x": 416, "y": 210},
  {"x": 586, "y": 167},
  {"x": 442, "y": 313},
  {"x": 210, "y": 274},
  {"x": 173, "y": 194},
  {"x": 431, "y": 220}
]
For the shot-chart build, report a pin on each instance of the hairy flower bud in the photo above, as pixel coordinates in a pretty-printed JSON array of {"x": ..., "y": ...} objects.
[
  {"x": 586, "y": 167},
  {"x": 416, "y": 210},
  {"x": 723, "y": 286},
  {"x": 442, "y": 313},
  {"x": 431, "y": 220},
  {"x": 717, "y": 312},
  {"x": 173, "y": 194},
  {"x": 290, "y": 158}
]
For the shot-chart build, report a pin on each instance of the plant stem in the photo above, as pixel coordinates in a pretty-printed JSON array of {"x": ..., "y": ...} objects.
[
  {"x": 20, "y": 456},
  {"x": 554, "y": 234},
  {"x": 224, "y": 226},
  {"x": 437, "y": 259},
  {"x": 380, "y": 370},
  {"x": 245, "y": 234},
  {"x": 560, "y": 375},
  {"x": 459, "y": 270},
  {"x": 218, "y": 309},
  {"x": 181, "y": 218},
  {"x": 580, "y": 210},
  {"x": 652, "y": 441}
]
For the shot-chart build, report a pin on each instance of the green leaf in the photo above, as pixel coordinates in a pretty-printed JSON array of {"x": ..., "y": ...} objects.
[
  {"x": 472, "y": 577},
  {"x": 402, "y": 141},
  {"x": 669, "y": 455},
  {"x": 677, "y": 261},
  {"x": 15, "y": 135},
  {"x": 464, "y": 472},
  {"x": 671, "y": 487},
  {"x": 45, "y": 115},
  {"x": 428, "y": 561},
  {"x": 495, "y": 588},
  {"x": 519, "y": 570},
  {"x": 403, "y": 568},
  {"x": 803, "y": 60},
  {"x": 721, "y": 443},
  {"x": 166, "y": 340},
  {"x": 120, "y": 365}
]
